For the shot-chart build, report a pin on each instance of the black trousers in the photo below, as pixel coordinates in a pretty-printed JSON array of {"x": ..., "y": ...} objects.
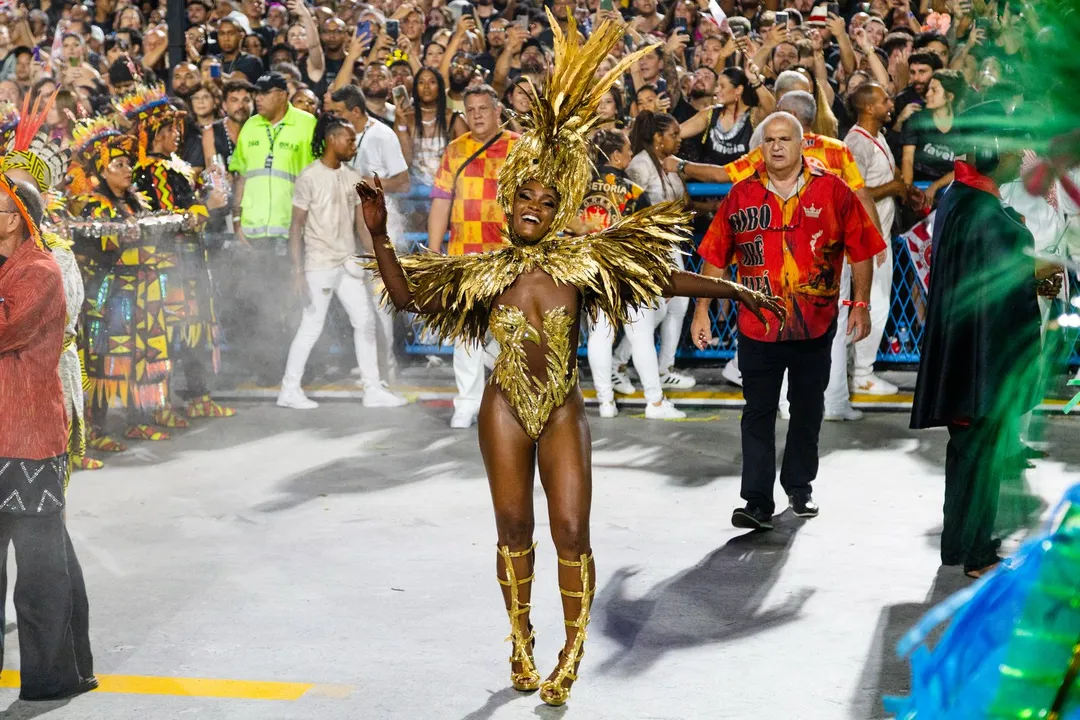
[
  {"x": 51, "y": 607},
  {"x": 763, "y": 365},
  {"x": 973, "y": 475}
]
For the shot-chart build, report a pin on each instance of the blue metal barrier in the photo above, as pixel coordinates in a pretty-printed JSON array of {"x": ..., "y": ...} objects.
[{"x": 899, "y": 345}]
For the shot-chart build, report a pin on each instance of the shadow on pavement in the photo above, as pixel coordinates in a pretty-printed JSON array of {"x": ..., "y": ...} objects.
[
  {"x": 885, "y": 673},
  {"x": 22, "y": 710},
  {"x": 718, "y": 600},
  {"x": 495, "y": 701}
]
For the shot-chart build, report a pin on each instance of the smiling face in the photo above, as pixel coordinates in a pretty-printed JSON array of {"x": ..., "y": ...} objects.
[
  {"x": 726, "y": 92},
  {"x": 534, "y": 211},
  {"x": 920, "y": 77},
  {"x": 520, "y": 101},
  {"x": 936, "y": 97}
]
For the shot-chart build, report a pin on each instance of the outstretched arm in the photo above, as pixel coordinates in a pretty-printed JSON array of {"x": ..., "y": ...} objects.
[
  {"x": 393, "y": 275},
  {"x": 688, "y": 284}
]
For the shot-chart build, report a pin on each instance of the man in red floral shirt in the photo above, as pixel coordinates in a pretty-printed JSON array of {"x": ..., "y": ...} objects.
[
  {"x": 33, "y": 454},
  {"x": 791, "y": 224}
]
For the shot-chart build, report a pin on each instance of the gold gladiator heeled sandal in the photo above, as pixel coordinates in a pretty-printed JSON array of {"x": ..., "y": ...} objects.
[
  {"x": 552, "y": 691},
  {"x": 526, "y": 679}
]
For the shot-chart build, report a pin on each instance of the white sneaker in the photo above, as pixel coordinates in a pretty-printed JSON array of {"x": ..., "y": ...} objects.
[
  {"x": 731, "y": 373},
  {"x": 784, "y": 412},
  {"x": 379, "y": 396},
  {"x": 295, "y": 399},
  {"x": 872, "y": 385},
  {"x": 672, "y": 380},
  {"x": 664, "y": 411},
  {"x": 608, "y": 409},
  {"x": 845, "y": 414},
  {"x": 462, "y": 420},
  {"x": 620, "y": 382}
]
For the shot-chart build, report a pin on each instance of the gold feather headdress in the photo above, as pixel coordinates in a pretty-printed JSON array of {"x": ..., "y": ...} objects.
[{"x": 554, "y": 149}]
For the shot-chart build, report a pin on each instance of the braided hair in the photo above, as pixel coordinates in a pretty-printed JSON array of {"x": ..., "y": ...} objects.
[
  {"x": 327, "y": 123},
  {"x": 605, "y": 142}
]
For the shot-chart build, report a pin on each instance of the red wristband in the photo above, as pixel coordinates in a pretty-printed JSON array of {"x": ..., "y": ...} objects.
[{"x": 857, "y": 303}]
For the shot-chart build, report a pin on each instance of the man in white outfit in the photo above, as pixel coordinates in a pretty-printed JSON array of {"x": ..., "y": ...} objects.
[
  {"x": 378, "y": 151},
  {"x": 322, "y": 240},
  {"x": 866, "y": 140}
]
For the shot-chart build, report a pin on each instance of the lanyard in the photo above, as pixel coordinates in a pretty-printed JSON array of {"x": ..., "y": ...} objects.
[
  {"x": 273, "y": 139},
  {"x": 871, "y": 138}
]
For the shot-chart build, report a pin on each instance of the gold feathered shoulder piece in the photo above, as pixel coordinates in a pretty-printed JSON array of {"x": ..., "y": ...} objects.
[
  {"x": 554, "y": 147},
  {"x": 621, "y": 267}
]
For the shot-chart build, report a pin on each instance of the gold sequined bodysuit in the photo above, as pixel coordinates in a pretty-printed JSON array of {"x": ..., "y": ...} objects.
[
  {"x": 463, "y": 297},
  {"x": 533, "y": 398}
]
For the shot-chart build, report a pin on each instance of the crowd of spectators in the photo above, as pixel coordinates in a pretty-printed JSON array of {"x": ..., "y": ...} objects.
[{"x": 403, "y": 72}]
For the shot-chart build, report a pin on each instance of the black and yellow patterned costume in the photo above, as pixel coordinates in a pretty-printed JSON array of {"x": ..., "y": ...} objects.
[
  {"x": 127, "y": 358},
  {"x": 168, "y": 186}
]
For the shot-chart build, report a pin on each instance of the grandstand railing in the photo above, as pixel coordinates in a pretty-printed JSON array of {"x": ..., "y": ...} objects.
[{"x": 899, "y": 345}]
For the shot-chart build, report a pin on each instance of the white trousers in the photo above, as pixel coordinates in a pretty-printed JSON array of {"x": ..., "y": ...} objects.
[
  {"x": 356, "y": 297},
  {"x": 639, "y": 339},
  {"x": 469, "y": 376},
  {"x": 384, "y": 333},
  {"x": 880, "y": 302},
  {"x": 668, "y": 315}
]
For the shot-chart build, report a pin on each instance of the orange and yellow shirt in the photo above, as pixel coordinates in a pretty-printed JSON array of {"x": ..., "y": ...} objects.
[
  {"x": 476, "y": 220},
  {"x": 791, "y": 249}
]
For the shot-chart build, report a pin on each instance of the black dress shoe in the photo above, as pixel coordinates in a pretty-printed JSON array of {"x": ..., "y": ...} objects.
[
  {"x": 752, "y": 517},
  {"x": 85, "y": 685},
  {"x": 803, "y": 505}
]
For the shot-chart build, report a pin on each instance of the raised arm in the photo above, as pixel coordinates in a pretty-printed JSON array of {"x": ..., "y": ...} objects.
[{"x": 393, "y": 275}]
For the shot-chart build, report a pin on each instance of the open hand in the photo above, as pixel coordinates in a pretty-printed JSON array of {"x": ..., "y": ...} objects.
[
  {"x": 755, "y": 302},
  {"x": 374, "y": 203}
]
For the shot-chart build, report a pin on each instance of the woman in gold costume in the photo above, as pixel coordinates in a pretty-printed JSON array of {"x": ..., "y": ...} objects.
[{"x": 531, "y": 294}]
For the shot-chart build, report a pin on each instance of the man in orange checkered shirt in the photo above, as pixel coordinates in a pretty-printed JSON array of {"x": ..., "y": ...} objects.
[{"x": 464, "y": 197}]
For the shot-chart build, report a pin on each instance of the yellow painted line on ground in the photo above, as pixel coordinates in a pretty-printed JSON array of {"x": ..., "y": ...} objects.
[{"x": 189, "y": 687}]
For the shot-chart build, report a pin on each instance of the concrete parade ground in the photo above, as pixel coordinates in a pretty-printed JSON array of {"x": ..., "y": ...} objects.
[{"x": 340, "y": 564}]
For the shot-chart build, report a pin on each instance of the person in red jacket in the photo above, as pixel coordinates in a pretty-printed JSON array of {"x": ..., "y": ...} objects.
[{"x": 33, "y": 451}]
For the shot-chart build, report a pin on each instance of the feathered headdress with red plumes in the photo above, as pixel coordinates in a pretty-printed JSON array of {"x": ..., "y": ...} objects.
[
  {"x": 31, "y": 148},
  {"x": 95, "y": 143},
  {"x": 149, "y": 109}
]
